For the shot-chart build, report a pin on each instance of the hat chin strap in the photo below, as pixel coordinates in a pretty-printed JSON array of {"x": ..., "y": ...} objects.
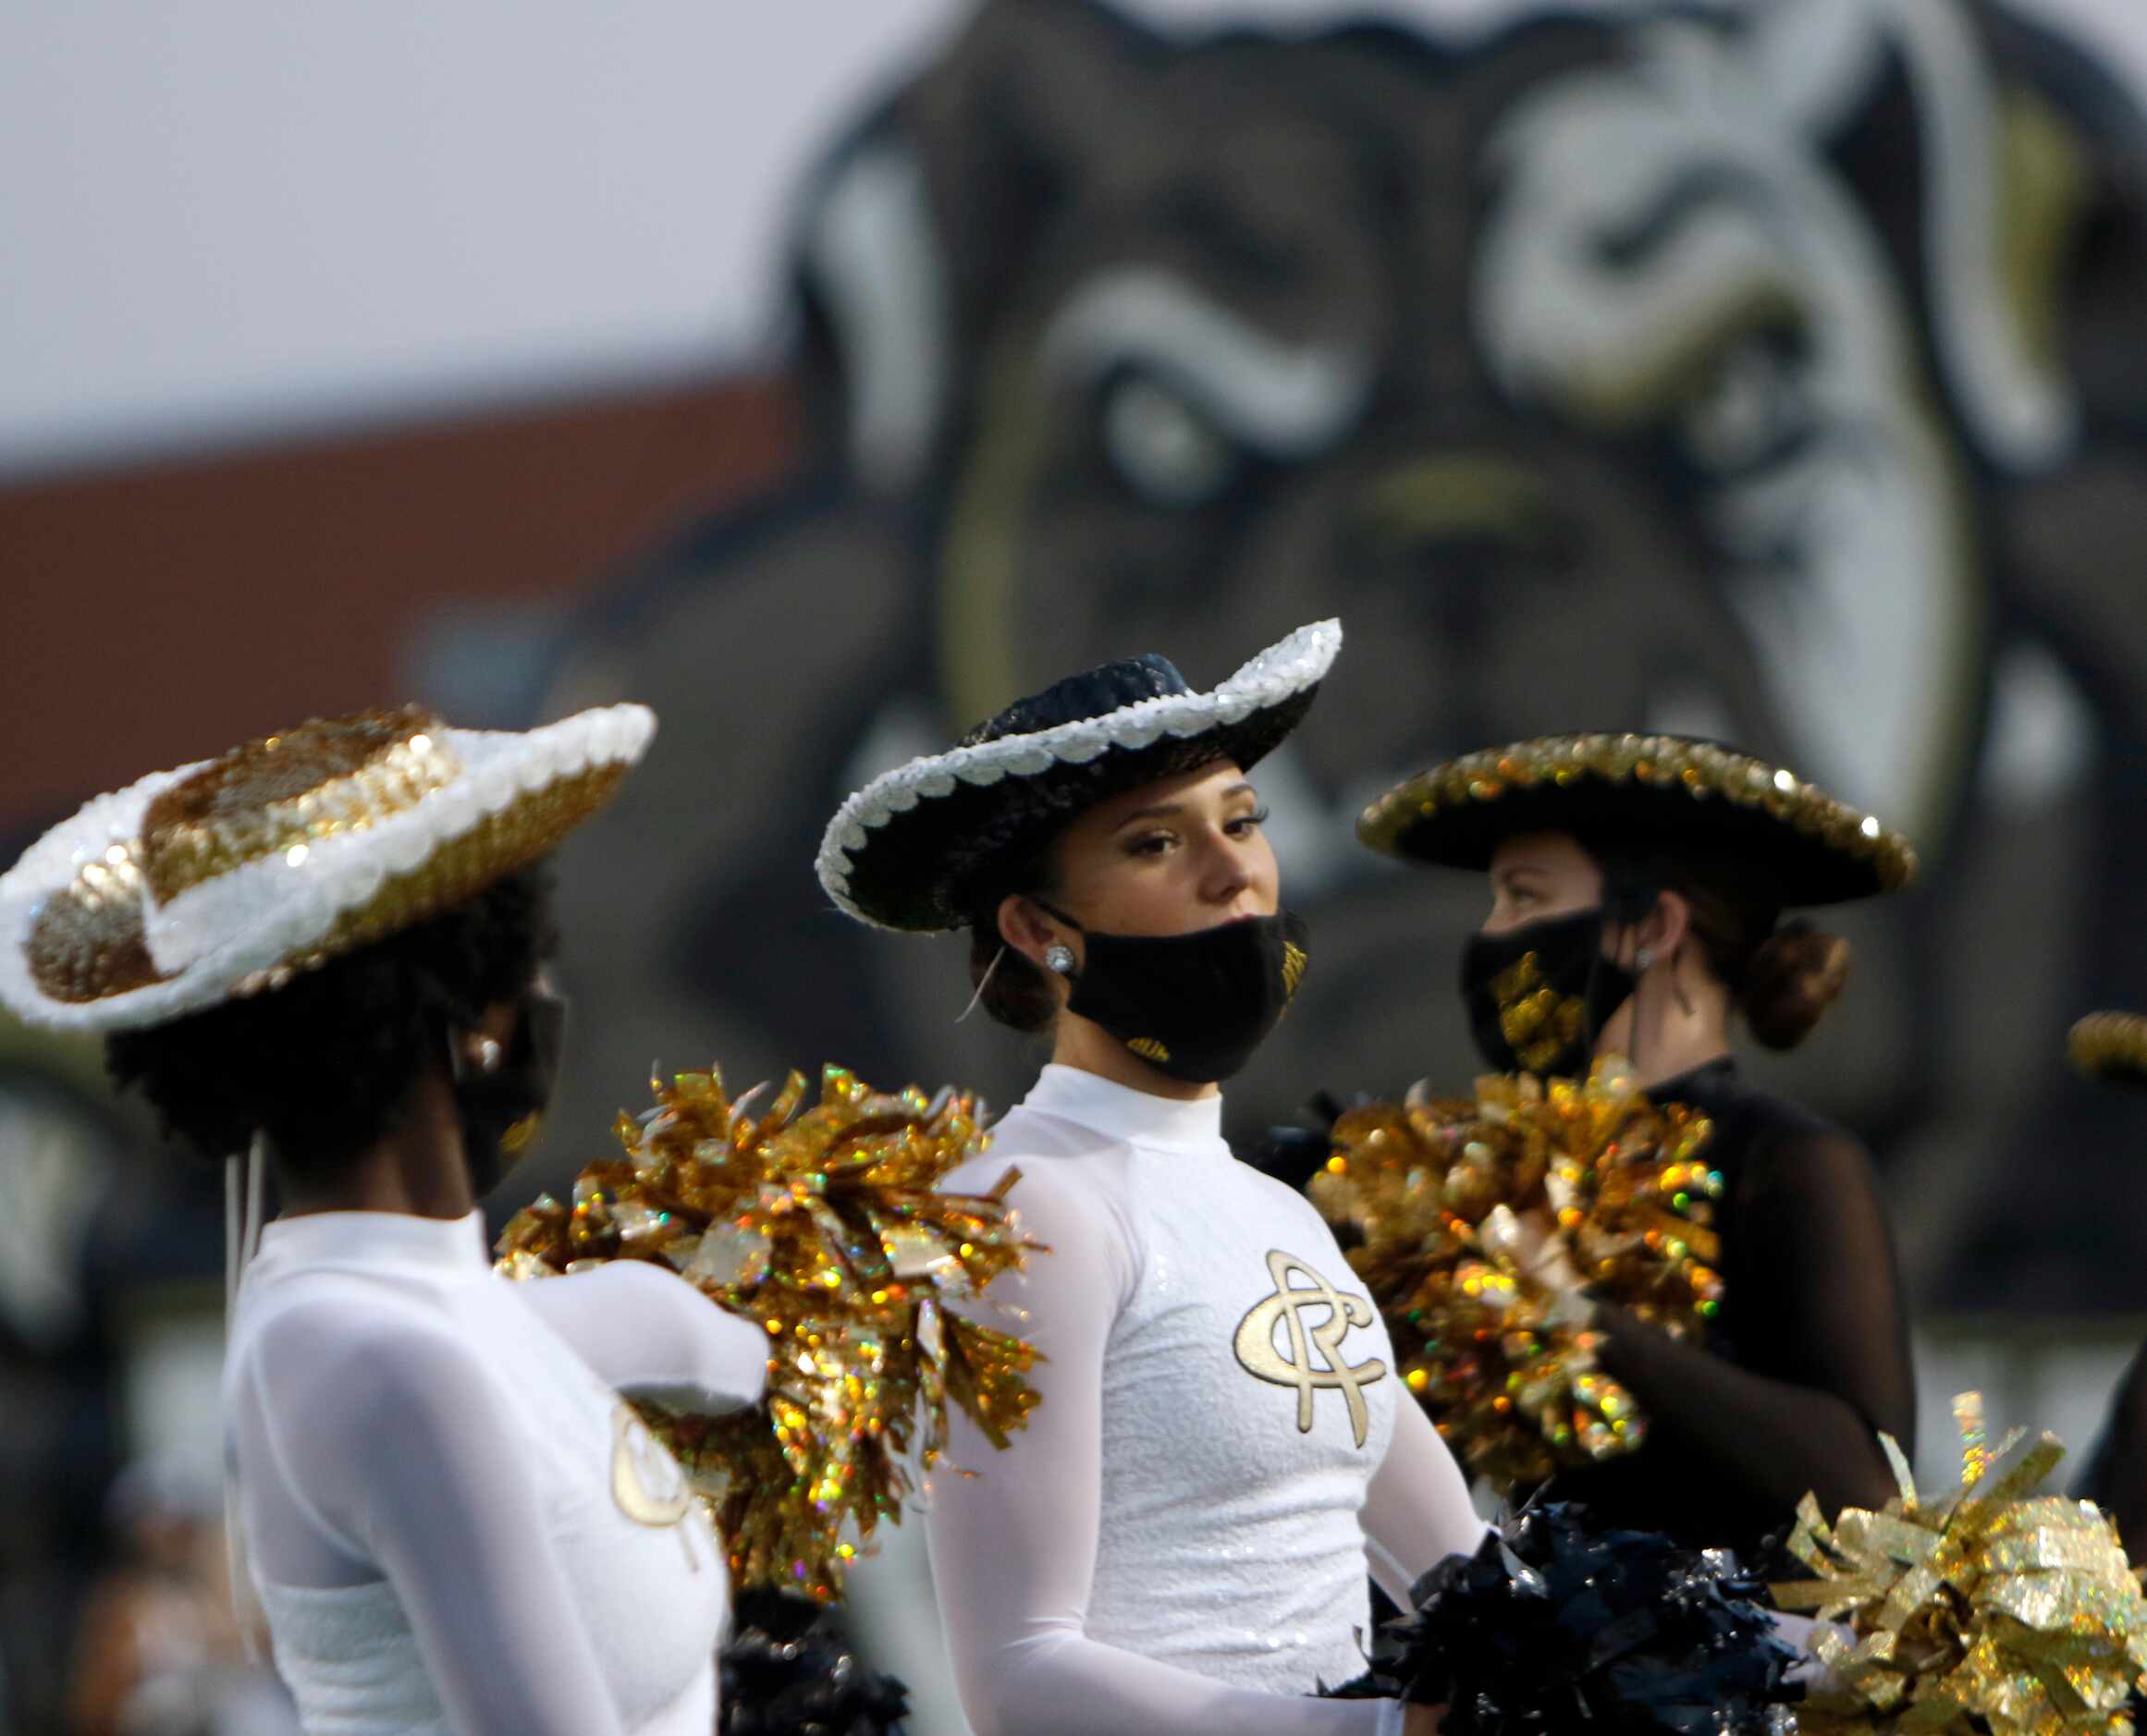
[
  {"x": 983, "y": 983},
  {"x": 1626, "y": 900},
  {"x": 244, "y": 1185}
]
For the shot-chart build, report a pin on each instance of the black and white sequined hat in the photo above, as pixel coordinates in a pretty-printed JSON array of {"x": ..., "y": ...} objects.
[{"x": 914, "y": 847}]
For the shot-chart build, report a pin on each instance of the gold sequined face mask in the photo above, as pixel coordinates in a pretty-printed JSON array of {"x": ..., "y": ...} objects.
[{"x": 1540, "y": 995}]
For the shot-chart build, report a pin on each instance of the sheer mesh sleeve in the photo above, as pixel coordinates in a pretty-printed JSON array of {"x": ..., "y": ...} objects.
[
  {"x": 1013, "y": 1548},
  {"x": 453, "y": 1518},
  {"x": 1816, "y": 1360},
  {"x": 649, "y": 1332},
  {"x": 1417, "y": 1511}
]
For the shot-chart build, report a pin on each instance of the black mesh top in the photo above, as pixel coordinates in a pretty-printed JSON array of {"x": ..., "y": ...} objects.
[
  {"x": 1806, "y": 1362},
  {"x": 2116, "y": 1477}
]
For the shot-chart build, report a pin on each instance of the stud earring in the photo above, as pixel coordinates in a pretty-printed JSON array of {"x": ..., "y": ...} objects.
[
  {"x": 1644, "y": 959},
  {"x": 489, "y": 1055},
  {"x": 1059, "y": 956}
]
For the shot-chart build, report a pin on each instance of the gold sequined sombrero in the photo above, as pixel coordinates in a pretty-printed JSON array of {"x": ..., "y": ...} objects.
[
  {"x": 1667, "y": 791},
  {"x": 227, "y": 876},
  {"x": 2111, "y": 1045}
]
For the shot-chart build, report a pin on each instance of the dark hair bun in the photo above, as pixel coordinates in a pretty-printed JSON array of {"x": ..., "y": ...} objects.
[
  {"x": 1794, "y": 977},
  {"x": 1014, "y": 991}
]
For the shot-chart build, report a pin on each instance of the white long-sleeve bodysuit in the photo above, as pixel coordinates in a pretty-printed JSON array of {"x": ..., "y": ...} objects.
[
  {"x": 453, "y": 1520},
  {"x": 1178, "y": 1541}
]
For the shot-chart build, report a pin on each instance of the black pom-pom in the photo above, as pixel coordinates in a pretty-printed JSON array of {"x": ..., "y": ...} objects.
[
  {"x": 789, "y": 1670},
  {"x": 1293, "y": 1152},
  {"x": 1549, "y": 1629}
]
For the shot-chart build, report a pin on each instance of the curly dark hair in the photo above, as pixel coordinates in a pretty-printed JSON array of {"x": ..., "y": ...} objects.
[{"x": 325, "y": 1064}]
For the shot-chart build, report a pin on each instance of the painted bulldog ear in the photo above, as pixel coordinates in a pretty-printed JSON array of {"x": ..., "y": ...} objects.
[
  {"x": 1982, "y": 227},
  {"x": 2074, "y": 210},
  {"x": 872, "y": 267},
  {"x": 915, "y": 234}
]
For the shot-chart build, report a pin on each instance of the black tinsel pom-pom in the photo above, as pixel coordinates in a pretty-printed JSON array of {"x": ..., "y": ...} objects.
[
  {"x": 789, "y": 1670},
  {"x": 1292, "y": 1154},
  {"x": 1550, "y": 1630}
]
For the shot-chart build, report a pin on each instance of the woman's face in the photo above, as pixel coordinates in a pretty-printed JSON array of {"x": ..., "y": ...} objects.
[
  {"x": 1174, "y": 856},
  {"x": 1536, "y": 875}
]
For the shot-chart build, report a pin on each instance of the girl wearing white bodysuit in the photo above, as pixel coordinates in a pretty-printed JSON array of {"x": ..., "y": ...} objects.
[
  {"x": 1179, "y": 1541},
  {"x": 327, "y": 946}
]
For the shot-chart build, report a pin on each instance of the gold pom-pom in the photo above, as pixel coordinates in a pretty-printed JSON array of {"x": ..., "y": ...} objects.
[
  {"x": 2110, "y": 1046},
  {"x": 825, "y": 1227},
  {"x": 1990, "y": 1610},
  {"x": 1482, "y": 1223}
]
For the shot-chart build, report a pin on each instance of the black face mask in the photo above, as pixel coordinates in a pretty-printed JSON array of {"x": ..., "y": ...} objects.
[
  {"x": 1192, "y": 1006},
  {"x": 501, "y": 1111},
  {"x": 1540, "y": 995}
]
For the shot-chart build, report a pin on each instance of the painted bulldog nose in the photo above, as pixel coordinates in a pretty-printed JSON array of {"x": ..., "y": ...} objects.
[
  {"x": 1462, "y": 524},
  {"x": 1457, "y": 496}
]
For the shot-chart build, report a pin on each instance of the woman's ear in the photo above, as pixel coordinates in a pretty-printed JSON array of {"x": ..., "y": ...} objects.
[
  {"x": 1667, "y": 925},
  {"x": 483, "y": 1046},
  {"x": 1024, "y": 927}
]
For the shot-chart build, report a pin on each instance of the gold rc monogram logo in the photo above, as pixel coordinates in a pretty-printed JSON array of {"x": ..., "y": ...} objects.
[
  {"x": 1256, "y": 1341},
  {"x": 647, "y": 1483}
]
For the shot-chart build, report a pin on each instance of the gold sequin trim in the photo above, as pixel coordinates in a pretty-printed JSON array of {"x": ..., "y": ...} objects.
[
  {"x": 86, "y": 942},
  {"x": 527, "y": 829},
  {"x": 2110, "y": 1046},
  {"x": 1703, "y": 770},
  {"x": 1149, "y": 1050},
  {"x": 328, "y": 775}
]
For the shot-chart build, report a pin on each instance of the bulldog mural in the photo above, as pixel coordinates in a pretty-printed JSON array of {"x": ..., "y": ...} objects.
[{"x": 1777, "y": 375}]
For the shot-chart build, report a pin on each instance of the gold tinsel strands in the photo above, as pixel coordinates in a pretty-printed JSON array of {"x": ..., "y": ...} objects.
[
  {"x": 825, "y": 1227},
  {"x": 1990, "y": 1610},
  {"x": 1446, "y": 1196}
]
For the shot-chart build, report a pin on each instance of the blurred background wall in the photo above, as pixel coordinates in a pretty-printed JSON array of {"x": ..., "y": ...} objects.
[{"x": 828, "y": 376}]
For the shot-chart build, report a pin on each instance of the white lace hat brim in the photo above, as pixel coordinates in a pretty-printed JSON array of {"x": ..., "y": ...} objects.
[
  {"x": 226, "y": 935},
  {"x": 869, "y": 821}
]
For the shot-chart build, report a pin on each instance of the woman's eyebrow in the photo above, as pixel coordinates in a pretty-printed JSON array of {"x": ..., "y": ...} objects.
[
  {"x": 1170, "y": 810},
  {"x": 1160, "y": 811}
]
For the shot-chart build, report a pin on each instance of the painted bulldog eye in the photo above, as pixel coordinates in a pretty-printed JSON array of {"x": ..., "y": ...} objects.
[
  {"x": 1165, "y": 450},
  {"x": 1750, "y": 408}
]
